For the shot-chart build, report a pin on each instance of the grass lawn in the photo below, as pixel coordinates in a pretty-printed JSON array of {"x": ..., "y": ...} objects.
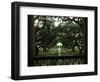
[{"x": 54, "y": 52}]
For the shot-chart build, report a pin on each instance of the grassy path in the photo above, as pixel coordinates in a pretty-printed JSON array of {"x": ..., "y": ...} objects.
[{"x": 54, "y": 52}]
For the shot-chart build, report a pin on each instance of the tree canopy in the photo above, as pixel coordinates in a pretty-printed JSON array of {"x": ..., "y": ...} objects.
[{"x": 48, "y": 30}]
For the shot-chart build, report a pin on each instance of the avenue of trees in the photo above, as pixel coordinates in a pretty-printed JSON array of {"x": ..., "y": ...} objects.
[{"x": 46, "y": 31}]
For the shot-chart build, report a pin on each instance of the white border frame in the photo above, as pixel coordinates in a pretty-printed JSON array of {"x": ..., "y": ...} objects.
[{"x": 25, "y": 70}]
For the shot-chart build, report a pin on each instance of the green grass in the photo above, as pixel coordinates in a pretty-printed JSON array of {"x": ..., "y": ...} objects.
[{"x": 54, "y": 52}]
